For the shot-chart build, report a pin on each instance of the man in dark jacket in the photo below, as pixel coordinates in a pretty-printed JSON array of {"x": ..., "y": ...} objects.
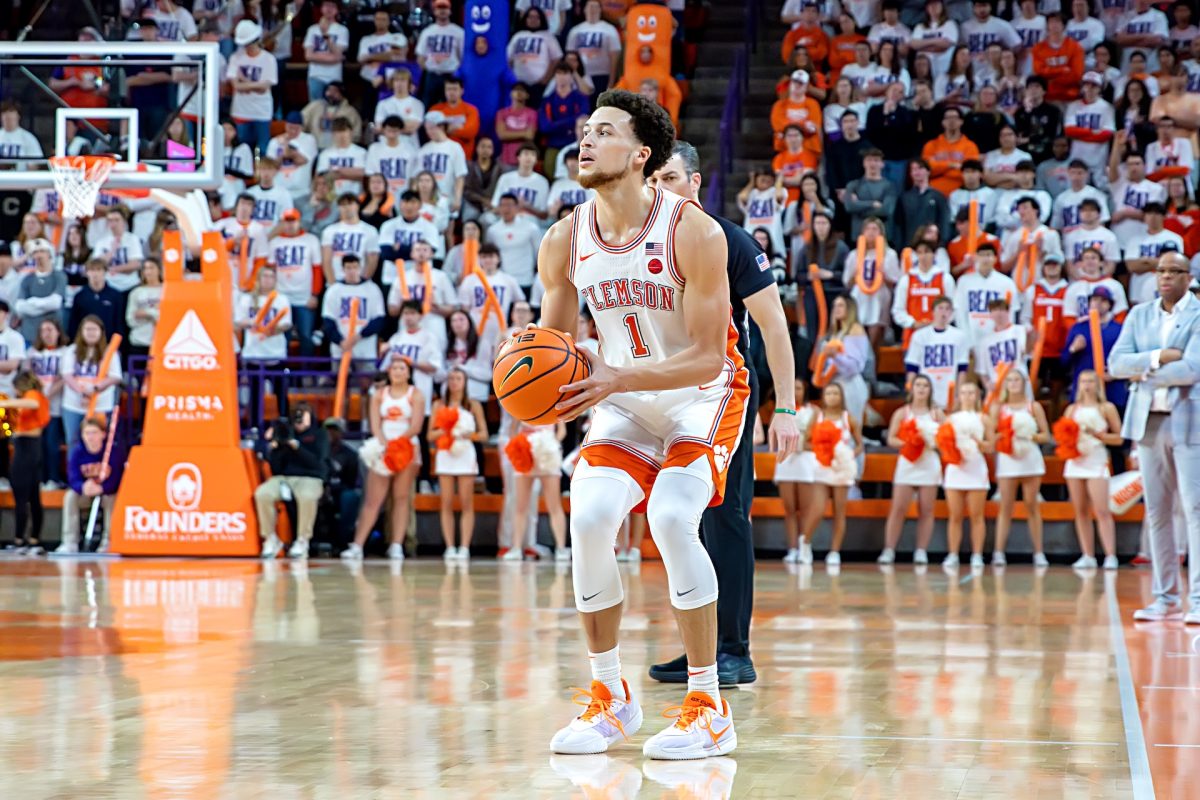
[
  {"x": 921, "y": 205},
  {"x": 298, "y": 453},
  {"x": 343, "y": 480},
  {"x": 99, "y": 299}
]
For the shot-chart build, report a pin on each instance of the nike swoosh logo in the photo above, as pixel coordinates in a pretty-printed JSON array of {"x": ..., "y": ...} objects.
[
  {"x": 589, "y": 597},
  {"x": 716, "y": 735},
  {"x": 526, "y": 362},
  {"x": 689, "y": 591},
  {"x": 585, "y": 258},
  {"x": 694, "y": 674}
]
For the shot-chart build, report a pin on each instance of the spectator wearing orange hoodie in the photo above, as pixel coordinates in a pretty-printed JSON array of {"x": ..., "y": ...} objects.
[
  {"x": 946, "y": 154},
  {"x": 807, "y": 33},
  {"x": 1059, "y": 60},
  {"x": 800, "y": 110},
  {"x": 461, "y": 116},
  {"x": 841, "y": 49}
]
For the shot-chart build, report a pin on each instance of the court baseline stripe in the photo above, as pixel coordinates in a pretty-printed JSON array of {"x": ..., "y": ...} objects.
[
  {"x": 1135, "y": 741},
  {"x": 953, "y": 740}
]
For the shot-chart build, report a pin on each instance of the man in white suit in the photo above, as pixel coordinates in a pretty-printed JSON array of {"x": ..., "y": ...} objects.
[{"x": 1158, "y": 351}]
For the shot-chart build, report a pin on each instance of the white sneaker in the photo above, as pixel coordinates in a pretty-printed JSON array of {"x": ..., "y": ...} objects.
[
  {"x": 920, "y": 557},
  {"x": 711, "y": 778},
  {"x": 449, "y": 554},
  {"x": 66, "y": 549},
  {"x": 976, "y": 560},
  {"x": 463, "y": 554},
  {"x": 699, "y": 732},
  {"x": 299, "y": 549},
  {"x": 5, "y": 486},
  {"x": 998, "y": 560},
  {"x": 562, "y": 555},
  {"x": 888, "y": 556},
  {"x": 352, "y": 553},
  {"x": 635, "y": 556},
  {"x": 1192, "y": 617},
  {"x": 512, "y": 554},
  {"x": 1084, "y": 562},
  {"x": 34, "y": 550},
  {"x": 951, "y": 560},
  {"x": 833, "y": 559},
  {"x": 605, "y": 721},
  {"x": 806, "y": 556},
  {"x": 1040, "y": 560},
  {"x": 396, "y": 551},
  {"x": 1158, "y": 611},
  {"x": 793, "y": 556},
  {"x": 622, "y": 556},
  {"x": 271, "y": 547},
  {"x": 48, "y": 486},
  {"x": 1111, "y": 562}
]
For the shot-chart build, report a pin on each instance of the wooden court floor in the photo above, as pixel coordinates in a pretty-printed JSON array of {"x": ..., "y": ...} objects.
[{"x": 225, "y": 679}]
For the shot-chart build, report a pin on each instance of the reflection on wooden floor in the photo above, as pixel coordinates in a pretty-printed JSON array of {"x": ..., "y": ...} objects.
[{"x": 224, "y": 679}]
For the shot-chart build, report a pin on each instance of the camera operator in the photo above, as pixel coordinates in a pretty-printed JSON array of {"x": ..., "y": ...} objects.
[
  {"x": 297, "y": 451},
  {"x": 343, "y": 480}
]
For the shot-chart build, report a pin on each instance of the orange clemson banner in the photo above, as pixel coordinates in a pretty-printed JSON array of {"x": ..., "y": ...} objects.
[
  {"x": 520, "y": 453},
  {"x": 1066, "y": 434},
  {"x": 825, "y": 436},
  {"x": 444, "y": 420},
  {"x": 947, "y": 445},
  {"x": 860, "y": 279},
  {"x": 398, "y": 454},
  {"x": 914, "y": 442},
  {"x": 1004, "y": 435}
]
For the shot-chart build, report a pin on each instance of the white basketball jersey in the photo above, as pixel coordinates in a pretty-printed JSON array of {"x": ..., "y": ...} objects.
[{"x": 635, "y": 291}]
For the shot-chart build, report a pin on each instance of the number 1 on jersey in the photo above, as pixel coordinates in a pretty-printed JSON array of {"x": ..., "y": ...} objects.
[{"x": 636, "y": 343}]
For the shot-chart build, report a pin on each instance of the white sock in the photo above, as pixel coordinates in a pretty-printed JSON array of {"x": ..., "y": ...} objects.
[
  {"x": 704, "y": 679},
  {"x": 606, "y": 668}
]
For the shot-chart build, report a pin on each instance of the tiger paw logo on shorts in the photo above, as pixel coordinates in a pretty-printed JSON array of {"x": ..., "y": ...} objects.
[{"x": 721, "y": 457}]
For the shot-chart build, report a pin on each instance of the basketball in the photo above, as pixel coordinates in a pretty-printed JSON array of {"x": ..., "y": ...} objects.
[{"x": 531, "y": 368}]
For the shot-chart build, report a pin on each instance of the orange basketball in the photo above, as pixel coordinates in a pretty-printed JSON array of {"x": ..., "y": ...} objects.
[{"x": 529, "y": 371}]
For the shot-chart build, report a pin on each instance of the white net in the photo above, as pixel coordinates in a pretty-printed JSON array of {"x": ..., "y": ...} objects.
[{"x": 78, "y": 180}]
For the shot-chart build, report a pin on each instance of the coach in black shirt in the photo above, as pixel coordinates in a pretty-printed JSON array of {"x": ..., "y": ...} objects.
[{"x": 726, "y": 529}]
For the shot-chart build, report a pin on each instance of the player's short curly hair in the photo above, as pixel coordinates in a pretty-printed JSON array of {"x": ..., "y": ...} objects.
[{"x": 651, "y": 125}]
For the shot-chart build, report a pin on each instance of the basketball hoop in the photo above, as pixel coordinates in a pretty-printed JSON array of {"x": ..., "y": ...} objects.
[{"x": 78, "y": 180}]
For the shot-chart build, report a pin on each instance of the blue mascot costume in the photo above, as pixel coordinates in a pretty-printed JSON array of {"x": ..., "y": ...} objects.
[{"x": 485, "y": 65}]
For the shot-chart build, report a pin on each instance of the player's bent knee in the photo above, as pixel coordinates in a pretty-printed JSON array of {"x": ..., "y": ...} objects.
[{"x": 679, "y": 498}]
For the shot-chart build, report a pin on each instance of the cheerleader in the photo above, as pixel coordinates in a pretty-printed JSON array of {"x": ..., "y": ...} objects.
[
  {"x": 454, "y": 427},
  {"x": 836, "y": 443},
  {"x": 1087, "y": 474},
  {"x": 794, "y": 478},
  {"x": 962, "y": 441},
  {"x": 397, "y": 413},
  {"x": 1021, "y": 429},
  {"x": 913, "y": 431},
  {"x": 844, "y": 355},
  {"x": 536, "y": 455}
]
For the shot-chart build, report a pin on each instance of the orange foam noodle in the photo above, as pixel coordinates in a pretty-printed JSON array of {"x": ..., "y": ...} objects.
[
  {"x": 1035, "y": 365},
  {"x": 1097, "y": 342},
  {"x": 105, "y": 363},
  {"x": 972, "y": 226},
  {"x": 818, "y": 288},
  {"x": 339, "y": 397},
  {"x": 266, "y": 308},
  {"x": 860, "y": 280}
]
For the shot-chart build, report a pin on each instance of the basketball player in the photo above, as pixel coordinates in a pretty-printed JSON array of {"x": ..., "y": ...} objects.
[
  {"x": 670, "y": 396},
  {"x": 728, "y": 534}
]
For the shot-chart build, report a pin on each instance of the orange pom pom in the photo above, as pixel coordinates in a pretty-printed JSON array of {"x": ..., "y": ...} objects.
[
  {"x": 1004, "y": 435},
  {"x": 947, "y": 444},
  {"x": 520, "y": 453},
  {"x": 914, "y": 442},
  {"x": 399, "y": 454},
  {"x": 444, "y": 420},
  {"x": 824, "y": 439},
  {"x": 1066, "y": 434}
]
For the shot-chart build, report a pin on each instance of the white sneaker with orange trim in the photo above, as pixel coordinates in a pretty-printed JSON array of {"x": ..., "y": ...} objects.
[
  {"x": 605, "y": 721},
  {"x": 699, "y": 731}
]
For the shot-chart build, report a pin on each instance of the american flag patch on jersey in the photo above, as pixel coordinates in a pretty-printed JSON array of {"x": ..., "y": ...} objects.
[
  {"x": 654, "y": 249},
  {"x": 763, "y": 262}
]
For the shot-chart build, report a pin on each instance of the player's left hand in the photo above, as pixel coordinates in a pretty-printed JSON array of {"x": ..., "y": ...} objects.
[
  {"x": 783, "y": 438},
  {"x": 599, "y": 384}
]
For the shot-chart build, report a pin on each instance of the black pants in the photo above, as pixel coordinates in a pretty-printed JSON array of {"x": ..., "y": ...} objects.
[
  {"x": 277, "y": 373},
  {"x": 27, "y": 496},
  {"x": 729, "y": 538}
]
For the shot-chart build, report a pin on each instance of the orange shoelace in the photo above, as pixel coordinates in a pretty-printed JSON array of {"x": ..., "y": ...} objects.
[
  {"x": 598, "y": 701},
  {"x": 692, "y": 710}
]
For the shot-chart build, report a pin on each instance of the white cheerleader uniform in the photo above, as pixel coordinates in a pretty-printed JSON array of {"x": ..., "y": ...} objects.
[
  {"x": 827, "y": 476},
  {"x": 800, "y": 466},
  {"x": 460, "y": 460},
  {"x": 1095, "y": 463},
  {"x": 395, "y": 415},
  {"x": 972, "y": 473},
  {"x": 547, "y": 451},
  {"x": 926, "y": 470},
  {"x": 1030, "y": 464}
]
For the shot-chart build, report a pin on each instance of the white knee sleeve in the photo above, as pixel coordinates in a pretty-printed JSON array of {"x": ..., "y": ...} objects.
[
  {"x": 600, "y": 499},
  {"x": 677, "y": 501}
]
